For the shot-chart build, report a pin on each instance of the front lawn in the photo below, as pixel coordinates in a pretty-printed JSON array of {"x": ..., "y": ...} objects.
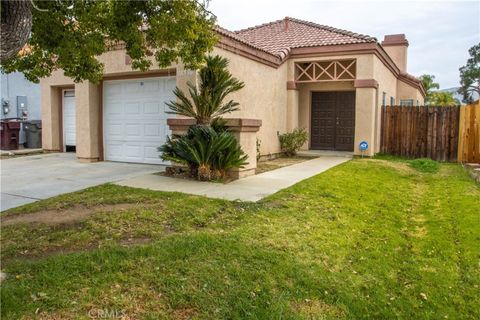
[{"x": 369, "y": 239}]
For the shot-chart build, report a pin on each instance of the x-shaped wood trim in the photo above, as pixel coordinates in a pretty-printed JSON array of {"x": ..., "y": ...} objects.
[{"x": 339, "y": 69}]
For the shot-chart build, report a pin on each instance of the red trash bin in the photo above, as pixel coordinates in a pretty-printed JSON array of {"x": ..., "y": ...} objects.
[{"x": 10, "y": 132}]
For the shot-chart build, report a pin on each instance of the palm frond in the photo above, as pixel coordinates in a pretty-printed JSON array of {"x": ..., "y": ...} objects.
[{"x": 206, "y": 102}]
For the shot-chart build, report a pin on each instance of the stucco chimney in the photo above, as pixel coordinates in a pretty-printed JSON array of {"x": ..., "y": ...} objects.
[{"x": 396, "y": 45}]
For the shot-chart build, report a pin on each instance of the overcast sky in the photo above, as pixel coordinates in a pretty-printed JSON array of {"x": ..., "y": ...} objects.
[{"x": 440, "y": 32}]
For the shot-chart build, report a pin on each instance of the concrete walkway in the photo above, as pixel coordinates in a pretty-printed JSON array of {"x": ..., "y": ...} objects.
[{"x": 252, "y": 188}]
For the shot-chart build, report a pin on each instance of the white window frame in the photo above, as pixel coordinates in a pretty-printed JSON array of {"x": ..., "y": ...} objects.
[{"x": 406, "y": 102}]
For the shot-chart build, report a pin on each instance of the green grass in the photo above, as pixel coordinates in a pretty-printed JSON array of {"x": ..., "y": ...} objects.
[
  {"x": 425, "y": 165},
  {"x": 369, "y": 239}
]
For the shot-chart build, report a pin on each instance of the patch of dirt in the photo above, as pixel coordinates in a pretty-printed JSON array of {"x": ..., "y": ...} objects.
[
  {"x": 264, "y": 166},
  {"x": 184, "y": 313},
  {"x": 419, "y": 232},
  {"x": 402, "y": 167},
  {"x": 72, "y": 215},
  {"x": 184, "y": 173},
  {"x": 45, "y": 315},
  {"x": 315, "y": 309}
]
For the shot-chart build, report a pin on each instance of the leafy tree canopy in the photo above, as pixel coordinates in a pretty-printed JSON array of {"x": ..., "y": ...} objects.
[
  {"x": 443, "y": 99},
  {"x": 470, "y": 75},
  {"x": 69, "y": 34}
]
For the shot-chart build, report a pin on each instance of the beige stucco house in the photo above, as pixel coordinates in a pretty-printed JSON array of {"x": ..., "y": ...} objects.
[{"x": 297, "y": 74}]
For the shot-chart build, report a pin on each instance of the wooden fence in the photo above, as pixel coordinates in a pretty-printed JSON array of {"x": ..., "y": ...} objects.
[
  {"x": 421, "y": 132},
  {"x": 469, "y": 134}
]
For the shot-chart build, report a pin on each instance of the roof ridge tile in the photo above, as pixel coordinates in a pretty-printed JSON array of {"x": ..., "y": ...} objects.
[
  {"x": 278, "y": 37},
  {"x": 257, "y": 26},
  {"x": 333, "y": 29}
]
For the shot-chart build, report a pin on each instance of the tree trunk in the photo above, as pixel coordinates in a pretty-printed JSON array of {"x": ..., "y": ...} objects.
[{"x": 15, "y": 28}]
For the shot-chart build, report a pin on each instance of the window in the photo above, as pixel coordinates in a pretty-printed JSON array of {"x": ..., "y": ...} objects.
[
  {"x": 406, "y": 102},
  {"x": 384, "y": 99},
  {"x": 392, "y": 101},
  {"x": 418, "y": 103}
]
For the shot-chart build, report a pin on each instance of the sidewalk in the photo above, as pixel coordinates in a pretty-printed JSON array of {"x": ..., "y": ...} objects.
[{"x": 252, "y": 188}]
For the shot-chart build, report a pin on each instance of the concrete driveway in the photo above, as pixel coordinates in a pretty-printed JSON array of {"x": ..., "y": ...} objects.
[{"x": 31, "y": 178}]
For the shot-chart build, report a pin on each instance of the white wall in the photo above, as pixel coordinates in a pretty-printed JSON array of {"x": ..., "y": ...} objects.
[{"x": 15, "y": 84}]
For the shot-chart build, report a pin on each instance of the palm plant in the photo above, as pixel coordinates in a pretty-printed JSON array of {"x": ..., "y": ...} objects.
[
  {"x": 206, "y": 103},
  {"x": 429, "y": 84},
  {"x": 208, "y": 153}
]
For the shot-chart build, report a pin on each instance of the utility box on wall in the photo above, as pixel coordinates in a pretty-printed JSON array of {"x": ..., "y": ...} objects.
[
  {"x": 22, "y": 107},
  {"x": 15, "y": 90}
]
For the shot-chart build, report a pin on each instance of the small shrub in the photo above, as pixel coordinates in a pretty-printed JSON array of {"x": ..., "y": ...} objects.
[
  {"x": 259, "y": 144},
  {"x": 425, "y": 165},
  {"x": 209, "y": 154},
  {"x": 291, "y": 142}
]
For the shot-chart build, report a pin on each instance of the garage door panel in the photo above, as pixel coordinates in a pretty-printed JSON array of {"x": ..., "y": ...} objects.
[
  {"x": 114, "y": 130},
  {"x": 152, "y": 108},
  {"x": 169, "y": 84},
  {"x": 115, "y": 108},
  {"x": 114, "y": 150},
  {"x": 135, "y": 118},
  {"x": 113, "y": 89},
  {"x": 151, "y": 153},
  {"x": 133, "y": 87},
  {"x": 69, "y": 119},
  {"x": 153, "y": 130},
  {"x": 151, "y": 86},
  {"x": 132, "y": 108},
  {"x": 133, "y": 130},
  {"x": 133, "y": 150}
]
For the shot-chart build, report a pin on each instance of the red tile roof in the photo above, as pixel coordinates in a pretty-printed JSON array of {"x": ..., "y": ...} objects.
[
  {"x": 238, "y": 38},
  {"x": 278, "y": 37}
]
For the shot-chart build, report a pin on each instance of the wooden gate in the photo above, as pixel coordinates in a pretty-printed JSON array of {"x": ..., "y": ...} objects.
[
  {"x": 469, "y": 134},
  {"x": 420, "y": 132}
]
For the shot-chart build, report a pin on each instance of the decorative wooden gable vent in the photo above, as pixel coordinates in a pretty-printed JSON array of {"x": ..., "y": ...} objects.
[{"x": 318, "y": 71}]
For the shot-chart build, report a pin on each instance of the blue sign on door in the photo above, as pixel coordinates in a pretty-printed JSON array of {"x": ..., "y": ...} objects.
[{"x": 363, "y": 146}]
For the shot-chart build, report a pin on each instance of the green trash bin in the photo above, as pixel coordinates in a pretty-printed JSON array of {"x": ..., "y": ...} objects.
[{"x": 33, "y": 133}]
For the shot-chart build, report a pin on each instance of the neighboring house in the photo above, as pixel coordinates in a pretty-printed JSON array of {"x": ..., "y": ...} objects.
[
  {"x": 297, "y": 74},
  {"x": 20, "y": 99},
  {"x": 17, "y": 90}
]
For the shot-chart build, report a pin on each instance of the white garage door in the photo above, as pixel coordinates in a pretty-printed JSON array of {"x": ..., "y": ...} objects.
[
  {"x": 135, "y": 118},
  {"x": 69, "y": 126}
]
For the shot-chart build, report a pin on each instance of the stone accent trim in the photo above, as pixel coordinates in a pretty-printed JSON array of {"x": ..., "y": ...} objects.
[
  {"x": 365, "y": 83},
  {"x": 292, "y": 85},
  {"x": 243, "y": 125},
  {"x": 234, "y": 124}
]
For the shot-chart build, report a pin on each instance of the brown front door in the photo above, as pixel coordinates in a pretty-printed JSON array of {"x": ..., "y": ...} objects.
[{"x": 333, "y": 121}]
